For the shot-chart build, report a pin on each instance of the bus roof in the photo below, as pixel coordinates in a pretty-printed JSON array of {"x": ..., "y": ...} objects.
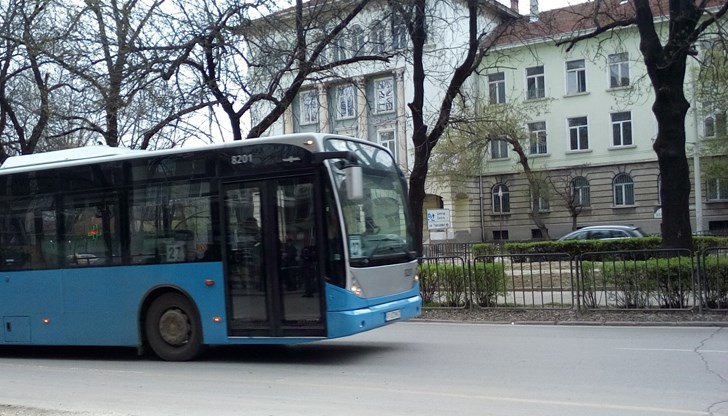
[
  {"x": 101, "y": 153},
  {"x": 66, "y": 155}
]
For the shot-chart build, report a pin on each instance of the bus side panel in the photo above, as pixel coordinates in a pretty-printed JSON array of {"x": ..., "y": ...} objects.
[
  {"x": 349, "y": 314},
  {"x": 101, "y": 305}
]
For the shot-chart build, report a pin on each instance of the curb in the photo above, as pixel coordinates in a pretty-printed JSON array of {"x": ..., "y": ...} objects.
[{"x": 694, "y": 324}]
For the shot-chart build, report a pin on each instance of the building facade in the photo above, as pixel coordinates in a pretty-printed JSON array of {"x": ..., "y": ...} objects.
[
  {"x": 590, "y": 135},
  {"x": 590, "y": 127}
]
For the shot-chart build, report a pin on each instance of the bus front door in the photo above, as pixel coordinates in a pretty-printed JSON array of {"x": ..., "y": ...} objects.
[{"x": 273, "y": 282}]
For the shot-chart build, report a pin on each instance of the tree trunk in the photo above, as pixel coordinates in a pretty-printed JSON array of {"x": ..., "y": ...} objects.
[
  {"x": 666, "y": 66},
  {"x": 417, "y": 199},
  {"x": 670, "y": 111}
]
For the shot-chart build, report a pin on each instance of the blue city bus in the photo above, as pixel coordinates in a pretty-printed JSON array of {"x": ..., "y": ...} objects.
[{"x": 279, "y": 240}]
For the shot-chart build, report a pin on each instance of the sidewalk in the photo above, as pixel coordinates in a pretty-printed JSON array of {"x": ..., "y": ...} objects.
[{"x": 571, "y": 317}]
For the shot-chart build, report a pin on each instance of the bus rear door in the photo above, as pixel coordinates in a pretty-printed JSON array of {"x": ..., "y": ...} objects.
[{"x": 273, "y": 282}]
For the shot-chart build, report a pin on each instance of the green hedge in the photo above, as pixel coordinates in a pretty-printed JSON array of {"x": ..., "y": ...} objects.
[
  {"x": 490, "y": 281},
  {"x": 715, "y": 282},
  {"x": 638, "y": 283},
  {"x": 576, "y": 247},
  {"x": 448, "y": 285}
]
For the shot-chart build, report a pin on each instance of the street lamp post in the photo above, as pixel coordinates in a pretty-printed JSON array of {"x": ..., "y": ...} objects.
[{"x": 698, "y": 185}]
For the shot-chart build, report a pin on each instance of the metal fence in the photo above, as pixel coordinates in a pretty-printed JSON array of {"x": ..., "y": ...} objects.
[{"x": 643, "y": 279}]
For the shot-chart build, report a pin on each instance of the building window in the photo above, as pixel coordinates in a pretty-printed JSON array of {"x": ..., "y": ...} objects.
[
  {"x": 709, "y": 126},
  {"x": 358, "y": 40},
  {"x": 622, "y": 129},
  {"x": 345, "y": 102},
  {"x": 659, "y": 189},
  {"x": 578, "y": 133},
  {"x": 623, "y": 190},
  {"x": 498, "y": 149},
  {"x": 618, "y": 70},
  {"x": 581, "y": 192},
  {"x": 340, "y": 51},
  {"x": 575, "y": 77},
  {"x": 497, "y": 88},
  {"x": 715, "y": 125},
  {"x": 500, "y": 235},
  {"x": 717, "y": 189},
  {"x": 501, "y": 199},
  {"x": 378, "y": 39},
  {"x": 537, "y": 139},
  {"x": 387, "y": 139},
  {"x": 384, "y": 90},
  {"x": 309, "y": 107},
  {"x": 399, "y": 32},
  {"x": 535, "y": 84},
  {"x": 540, "y": 200}
]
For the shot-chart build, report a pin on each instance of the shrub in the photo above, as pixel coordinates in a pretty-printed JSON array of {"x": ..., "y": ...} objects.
[
  {"x": 715, "y": 282},
  {"x": 637, "y": 282},
  {"x": 444, "y": 284},
  {"x": 489, "y": 281}
]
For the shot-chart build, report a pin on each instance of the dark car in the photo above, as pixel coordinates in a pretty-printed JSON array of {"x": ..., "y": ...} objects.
[{"x": 604, "y": 232}]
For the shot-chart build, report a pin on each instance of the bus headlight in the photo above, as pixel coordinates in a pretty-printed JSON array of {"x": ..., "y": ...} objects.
[{"x": 355, "y": 288}]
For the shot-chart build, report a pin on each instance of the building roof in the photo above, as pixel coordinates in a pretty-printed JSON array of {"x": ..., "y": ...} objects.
[{"x": 567, "y": 21}]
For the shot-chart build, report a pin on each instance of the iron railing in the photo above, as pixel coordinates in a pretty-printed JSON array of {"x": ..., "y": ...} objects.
[{"x": 638, "y": 279}]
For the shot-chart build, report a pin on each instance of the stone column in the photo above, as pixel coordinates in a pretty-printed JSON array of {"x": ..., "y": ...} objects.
[
  {"x": 362, "y": 112},
  {"x": 401, "y": 110},
  {"x": 288, "y": 120},
  {"x": 324, "y": 125}
]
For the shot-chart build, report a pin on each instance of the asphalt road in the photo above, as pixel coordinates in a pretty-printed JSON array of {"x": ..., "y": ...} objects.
[{"x": 405, "y": 369}]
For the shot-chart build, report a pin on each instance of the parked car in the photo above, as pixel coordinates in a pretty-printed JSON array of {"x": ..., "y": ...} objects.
[{"x": 604, "y": 232}]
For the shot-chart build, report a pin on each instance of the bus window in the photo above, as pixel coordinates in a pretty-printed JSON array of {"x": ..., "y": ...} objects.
[
  {"x": 91, "y": 225},
  {"x": 171, "y": 223},
  {"x": 28, "y": 235}
]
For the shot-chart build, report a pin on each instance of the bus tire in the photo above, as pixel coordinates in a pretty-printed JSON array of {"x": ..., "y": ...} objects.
[{"x": 173, "y": 328}]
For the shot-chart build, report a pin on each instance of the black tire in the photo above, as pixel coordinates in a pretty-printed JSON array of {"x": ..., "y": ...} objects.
[{"x": 173, "y": 328}]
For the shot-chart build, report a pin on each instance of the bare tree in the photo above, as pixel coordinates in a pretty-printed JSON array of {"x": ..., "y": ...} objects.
[
  {"x": 571, "y": 192},
  {"x": 25, "y": 85},
  {"x": 425, "y": 137},
  {"x": 253, "y": 56},
  {"x": 473, "y": 129},
  {"x": 665, "y": 58},
  {"x": 116, "y": 53},
  {"x": 711, "y": 95}
]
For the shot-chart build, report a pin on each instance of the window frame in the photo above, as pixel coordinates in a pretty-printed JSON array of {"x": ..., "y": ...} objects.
[
  {"x": 497, "y": 88},
  {"x": 716, "y": 189},
  {"x": 581, "y": 192},
  {"x": 578, "y": 134},
  {"x": 357, "y": 40},
  {"x": 579, "y": 77},
  {"x": 499, "y": 152},
  {"x": 540, "y": 201},
  {"x": 348, "y": 101},
  {"x": 398, "y": 32},
  {"x": 538, "y": 138},
  {"x": 617, "y": 67},
  {"x": 538, "y": 79},
  {"x": 500, "y": 199},
  {"x": 624, "y": 129},
  {"x": 386, "y": 142},
  {"x": 378, "y": 96},
  {"x": 304, "y": 104},
  {"x": 623, "y": 190}
]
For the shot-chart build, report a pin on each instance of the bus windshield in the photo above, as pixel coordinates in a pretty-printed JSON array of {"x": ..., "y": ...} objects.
[{"x": 377, "y": 226}]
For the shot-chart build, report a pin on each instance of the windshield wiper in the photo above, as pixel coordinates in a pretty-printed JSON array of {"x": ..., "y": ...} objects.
[{"x": 396, "y": 248}]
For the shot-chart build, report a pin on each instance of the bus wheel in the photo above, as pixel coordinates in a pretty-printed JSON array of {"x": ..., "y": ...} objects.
[{"x": 173, "y": 328}]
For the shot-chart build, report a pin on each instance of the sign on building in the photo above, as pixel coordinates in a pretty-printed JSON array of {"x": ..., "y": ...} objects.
[{"x": 438, "y": 219}]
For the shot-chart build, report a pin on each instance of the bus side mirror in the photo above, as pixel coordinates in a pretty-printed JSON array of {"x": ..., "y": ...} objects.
[{"x": 354, "y": 182}]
